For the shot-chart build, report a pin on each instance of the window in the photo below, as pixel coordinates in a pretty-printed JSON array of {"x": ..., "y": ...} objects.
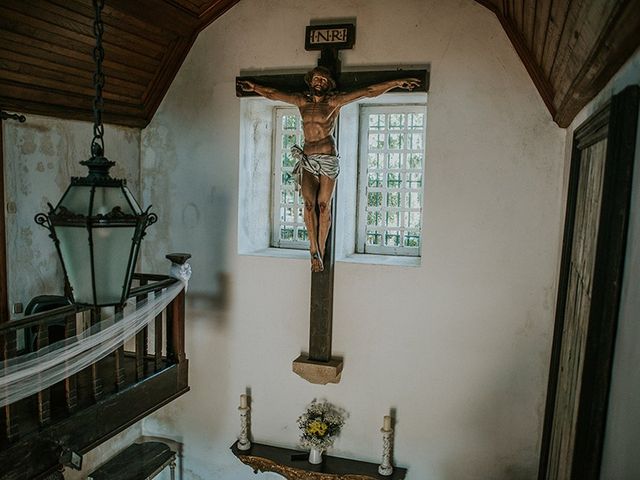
[
  {"x": 382, "y": 175},
  {"x": 391, "y": 171},
  {"x": 287, "y": 223}
]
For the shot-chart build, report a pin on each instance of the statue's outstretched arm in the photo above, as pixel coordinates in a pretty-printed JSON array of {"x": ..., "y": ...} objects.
[
  {"x": 270, "y": 93},
  {"x": 377, "y": 89}
]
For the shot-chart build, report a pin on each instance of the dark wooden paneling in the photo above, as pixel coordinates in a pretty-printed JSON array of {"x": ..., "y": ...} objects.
[
  {"x": 617, "y": 44},
  {"x": 4, "y": 295},
  {"x": 571, "y": 48},
  {"x": 542, "y": 12},
  {"x": 582, "y": 31},
  {"x": 46, "y": 63}
]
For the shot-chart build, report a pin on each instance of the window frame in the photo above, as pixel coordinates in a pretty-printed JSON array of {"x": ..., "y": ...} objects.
[
  {"x": 361, "y": 246},
  {"x": 276, "y": 183}
]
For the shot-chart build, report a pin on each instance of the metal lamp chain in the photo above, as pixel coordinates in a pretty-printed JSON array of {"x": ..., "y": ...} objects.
[{"x": 97, "y": 144}]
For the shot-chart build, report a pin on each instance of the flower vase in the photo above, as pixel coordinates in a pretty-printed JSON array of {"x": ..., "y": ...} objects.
[{"x": 315, "y": 455}]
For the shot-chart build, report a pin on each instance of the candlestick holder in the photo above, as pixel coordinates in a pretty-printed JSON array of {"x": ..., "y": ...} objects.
[
  {"x": 385, "y": 468},
  {"x": 243, "y": 438}
]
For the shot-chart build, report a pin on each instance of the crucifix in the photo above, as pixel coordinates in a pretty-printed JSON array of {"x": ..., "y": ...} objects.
[{"x": 317, "y": 166}]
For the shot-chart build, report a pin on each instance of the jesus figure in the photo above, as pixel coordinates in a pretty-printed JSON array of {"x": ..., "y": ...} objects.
[{"x": 317, "y": 164}]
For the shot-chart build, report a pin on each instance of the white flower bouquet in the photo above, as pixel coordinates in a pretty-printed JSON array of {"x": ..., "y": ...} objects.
[{"x": 320, "y": 424}]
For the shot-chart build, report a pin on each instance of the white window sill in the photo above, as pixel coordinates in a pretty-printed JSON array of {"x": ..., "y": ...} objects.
[
  {"x": 391, "y": 260},
  {"x": 359, "y": 258},
  {"x": 279, "y": 253}
]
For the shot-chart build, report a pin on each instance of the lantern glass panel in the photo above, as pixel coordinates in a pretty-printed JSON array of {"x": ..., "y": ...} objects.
[
  {"x": 74, "y": 247},
  {"x": 106, "y": 198},
  {"x": 133, "y": 201},
  {"x": 111, "y": 256},
  {"x": 76, "y": 199}
]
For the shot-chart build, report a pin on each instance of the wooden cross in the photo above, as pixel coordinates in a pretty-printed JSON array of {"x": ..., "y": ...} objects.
[{"x": 319, "y": 366}]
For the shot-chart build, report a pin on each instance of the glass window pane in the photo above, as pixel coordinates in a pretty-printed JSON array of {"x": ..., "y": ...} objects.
[
  {"x": 415, "y": 160},
  {"x": 287, "y": 159},
  {"x": 396, "y": 120},
  {"x": 375, "y": 160},
  {"x": 394, "y": 180},
  {"x": 392, "y": 238},
  {"x": 374, "y": 199},
  {"x": 415, "y": 141},
  {"x": 286, "y": 233},
  {"x": 374, "y": 219},
  {"x": 414, "y": 180},
  {"x": 288, "y": 179},
  {"x": 287, "y": 197},
  {"x": 395, "y": 160},
  {"x": 375, "y": 179},
  {"x": 393, "y": 199},
  {"x": 416, "y": 121},
  {"x": 376, "y": 141},
  {"x": 411, "y": 240},
  {"x": 289, "y": 122},
  {"x": 377, "y": 122},
  {"x": 288, "y": 141},
  {"x": 396, "y": 141},
  {"x": 374, "y": 238},
  {"x": 393, "y": 219}
]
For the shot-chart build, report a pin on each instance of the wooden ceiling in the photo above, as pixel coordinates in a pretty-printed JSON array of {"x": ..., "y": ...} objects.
[
  {"x": 571, "y": 48},
  {"x": 46, "y": 62}
]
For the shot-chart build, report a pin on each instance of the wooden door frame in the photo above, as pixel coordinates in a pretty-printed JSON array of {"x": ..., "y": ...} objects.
[{"x": 617, "y": 121}]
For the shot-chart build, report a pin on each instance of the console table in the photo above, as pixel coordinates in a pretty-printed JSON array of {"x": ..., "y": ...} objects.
[{"x": 293, "y": 465}]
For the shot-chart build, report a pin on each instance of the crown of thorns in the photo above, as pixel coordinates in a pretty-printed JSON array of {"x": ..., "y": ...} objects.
[{"x": 323, "y": 72}]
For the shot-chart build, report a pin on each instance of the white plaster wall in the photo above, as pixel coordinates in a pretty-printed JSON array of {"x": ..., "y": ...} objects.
[
  {"x": 41, "y": 155},
  {"x": 459, "y": 346},
  {"x": 620, "y": 459}
]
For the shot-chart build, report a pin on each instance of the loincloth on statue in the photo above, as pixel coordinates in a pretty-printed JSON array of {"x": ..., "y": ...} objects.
[{"x": 317, "y": 164}]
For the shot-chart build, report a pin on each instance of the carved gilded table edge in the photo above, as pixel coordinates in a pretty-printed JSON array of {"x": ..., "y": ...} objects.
[{"x": 265, "y": 465}]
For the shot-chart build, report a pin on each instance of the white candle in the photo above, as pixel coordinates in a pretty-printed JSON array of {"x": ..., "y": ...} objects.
[
  {"x": 243, "y": 401},
  {"x": 387, "y": 422}
]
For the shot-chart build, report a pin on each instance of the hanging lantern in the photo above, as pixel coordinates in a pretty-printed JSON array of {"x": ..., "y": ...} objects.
[{"x": 97, "y": 225}]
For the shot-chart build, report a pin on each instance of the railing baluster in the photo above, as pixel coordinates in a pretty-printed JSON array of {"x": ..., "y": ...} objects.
[
  {"x": 119, "y": 358},
  {"x": 71, "y": 382},
  {"x": 44, "y": 395},
  {"x": 96, "y": 381},
  {"x": 158, "y": 343},
  {"x": 169, "y": 312},
  {"x": 142, "y": 338},
  {"x": 177, "y": 330},
  {"x": 10, "y": 426}
]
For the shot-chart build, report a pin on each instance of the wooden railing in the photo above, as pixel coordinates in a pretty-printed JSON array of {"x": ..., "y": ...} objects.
[{"x": 131, "y": 382}]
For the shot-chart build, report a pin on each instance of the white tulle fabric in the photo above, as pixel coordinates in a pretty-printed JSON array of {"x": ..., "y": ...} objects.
[{"x": 28, "y": 374}]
